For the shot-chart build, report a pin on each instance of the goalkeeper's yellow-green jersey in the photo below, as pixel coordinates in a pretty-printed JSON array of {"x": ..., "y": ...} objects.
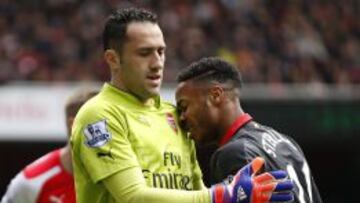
[{"x": 114, "y": 133}]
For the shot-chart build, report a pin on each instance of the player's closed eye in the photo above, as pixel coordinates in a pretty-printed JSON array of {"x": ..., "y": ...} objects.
[
  {"x": 161, "y": 51},
  {"x": 144, "y": 53}
]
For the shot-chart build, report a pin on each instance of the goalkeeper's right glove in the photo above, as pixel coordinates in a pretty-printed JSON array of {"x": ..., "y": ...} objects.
[{"x": 247, "y": 187}]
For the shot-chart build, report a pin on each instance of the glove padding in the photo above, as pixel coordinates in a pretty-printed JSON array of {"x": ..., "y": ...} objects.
[{"x": 247, "y": 187}]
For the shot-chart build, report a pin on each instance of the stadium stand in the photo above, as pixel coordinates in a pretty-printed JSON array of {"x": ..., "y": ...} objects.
[{"x": 272, "y": 41}]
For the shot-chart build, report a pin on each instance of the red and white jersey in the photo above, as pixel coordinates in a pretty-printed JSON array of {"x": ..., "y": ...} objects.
[{"x": 44, "y": 180}]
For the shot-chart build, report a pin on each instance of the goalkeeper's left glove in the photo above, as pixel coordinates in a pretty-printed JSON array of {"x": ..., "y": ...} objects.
[{"x": 247, "y": 187}]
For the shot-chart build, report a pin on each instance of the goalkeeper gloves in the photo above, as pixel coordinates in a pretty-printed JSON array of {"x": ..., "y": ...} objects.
[{"x": 247, "y": 187}]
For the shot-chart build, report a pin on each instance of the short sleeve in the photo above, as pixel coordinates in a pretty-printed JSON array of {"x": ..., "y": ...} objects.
[{"x": 103, "y": 144}]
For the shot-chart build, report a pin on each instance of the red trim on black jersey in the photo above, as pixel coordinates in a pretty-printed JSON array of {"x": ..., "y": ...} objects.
[{"x": 238, "y": 123}]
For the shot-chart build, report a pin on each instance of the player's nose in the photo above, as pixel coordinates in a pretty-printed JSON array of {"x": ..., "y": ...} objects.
[{"x": 157, "y": 62}]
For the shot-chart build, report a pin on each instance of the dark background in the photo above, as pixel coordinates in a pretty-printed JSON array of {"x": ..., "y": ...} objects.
[{"x": 327, "y": 131}]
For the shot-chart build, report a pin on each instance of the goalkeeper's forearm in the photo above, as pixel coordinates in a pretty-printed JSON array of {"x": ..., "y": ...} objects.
[{"x": 129, "y": 186}]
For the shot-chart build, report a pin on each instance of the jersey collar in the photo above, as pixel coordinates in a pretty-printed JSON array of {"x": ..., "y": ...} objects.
[
  {"x": 131, "y": 100},
  {"x": 238, "y": 123}
]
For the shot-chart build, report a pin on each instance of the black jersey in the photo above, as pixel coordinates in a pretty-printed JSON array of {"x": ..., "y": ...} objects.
[{"x": 247, "y": 139}]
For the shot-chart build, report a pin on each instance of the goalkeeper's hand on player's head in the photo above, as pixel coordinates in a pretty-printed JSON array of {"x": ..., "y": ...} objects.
[{"x": 249, "y": 187}]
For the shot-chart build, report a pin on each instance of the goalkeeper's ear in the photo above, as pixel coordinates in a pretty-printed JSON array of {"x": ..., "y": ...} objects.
[{"x": 112, "y": 59}]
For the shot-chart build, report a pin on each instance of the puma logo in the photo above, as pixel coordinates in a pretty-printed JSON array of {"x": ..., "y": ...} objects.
[
  {"x": 102, "y": 154},
  {"x": 56, "y": 199}
]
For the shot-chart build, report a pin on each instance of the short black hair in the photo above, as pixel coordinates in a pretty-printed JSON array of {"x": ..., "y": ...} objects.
[
  {"x": 211, "y": 69},
  {"x": 114, "y": 34}
]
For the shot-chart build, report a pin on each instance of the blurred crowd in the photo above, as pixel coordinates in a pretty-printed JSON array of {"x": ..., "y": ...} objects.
[{"x": 271, "y": 41}]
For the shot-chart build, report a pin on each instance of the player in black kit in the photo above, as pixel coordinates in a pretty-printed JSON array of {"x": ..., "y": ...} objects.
[{"x": 208, "y": 100}]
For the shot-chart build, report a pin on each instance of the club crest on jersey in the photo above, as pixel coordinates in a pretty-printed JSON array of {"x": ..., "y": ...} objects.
[
  {"x": 171, "y": 121},
  {"x": 96, "y": 134}
]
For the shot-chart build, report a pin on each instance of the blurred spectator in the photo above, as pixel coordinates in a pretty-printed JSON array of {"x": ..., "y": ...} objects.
[{"x": 298, "y": 41}]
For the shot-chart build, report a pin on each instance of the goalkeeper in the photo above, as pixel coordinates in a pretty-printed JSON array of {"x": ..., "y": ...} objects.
[{"x": 126, "y": 142}]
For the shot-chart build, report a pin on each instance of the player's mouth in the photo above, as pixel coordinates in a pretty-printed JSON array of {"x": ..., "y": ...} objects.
[{"x": 154, "y": 80}]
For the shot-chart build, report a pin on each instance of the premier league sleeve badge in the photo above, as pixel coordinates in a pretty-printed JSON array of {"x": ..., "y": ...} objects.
[{"x": 96, "y": 134}]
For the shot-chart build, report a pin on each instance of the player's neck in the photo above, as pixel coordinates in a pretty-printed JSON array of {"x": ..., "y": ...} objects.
[
  {"x": 148, "y": 101},
  {"x": 65, "y": 157},
  {"x": 115, "y": 82},
  {"x": 232, "y": 113}
]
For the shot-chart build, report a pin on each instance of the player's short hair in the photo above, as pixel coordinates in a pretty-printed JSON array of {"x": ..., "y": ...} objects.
[
  {"x": 114, "y": 34},
  {"x": 212, "y": 69},
  {"x": 77, "y": 99}
]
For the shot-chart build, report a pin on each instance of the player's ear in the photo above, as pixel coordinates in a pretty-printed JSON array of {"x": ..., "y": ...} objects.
[
  {"x": 112, "y": 58},
  {"x": 216, "y": 95}
]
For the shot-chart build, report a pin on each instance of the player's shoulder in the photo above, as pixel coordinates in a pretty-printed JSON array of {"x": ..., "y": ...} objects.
[
  {"x": 167, "y": 105},
  {"x": 97, "y": 108},
  {"x": 166, "y": 108},
  {"x": 257, "y": 130},
  {"x": 98, "y": 102},
  {"x": 266, "y": 136},
  {"x": 252, "y": 136},
  {"x": 234, "y": 146},
  {"x": 276, "y": 135},
  {"x": 42, "y": 164}
]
